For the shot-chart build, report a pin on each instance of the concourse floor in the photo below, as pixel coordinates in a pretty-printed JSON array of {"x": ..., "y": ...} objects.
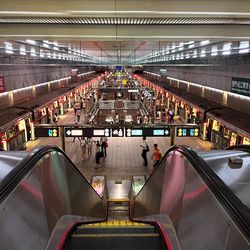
[{"x": 123, "y": 154}]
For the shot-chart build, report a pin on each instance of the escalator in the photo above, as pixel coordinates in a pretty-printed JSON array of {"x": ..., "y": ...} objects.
[{"x": 197, "y": 195}]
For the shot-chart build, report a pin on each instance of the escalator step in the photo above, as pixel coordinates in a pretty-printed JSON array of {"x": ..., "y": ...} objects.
[
  {"x": 116, "y": 223},
  {"x": 117, "y": 242},
  {"x": 118, "y": 230},
  {"x": 108, "y": 235}
]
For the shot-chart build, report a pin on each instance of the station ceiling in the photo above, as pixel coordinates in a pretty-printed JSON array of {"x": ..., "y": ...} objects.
[{"x": 131, "y": 31}]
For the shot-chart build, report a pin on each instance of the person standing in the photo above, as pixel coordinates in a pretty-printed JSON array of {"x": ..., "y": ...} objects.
[
  {"x": 104, "y": 145},
  {"x": 90, "y": 144},
  {"x": 55, "y": 119},
  {"x": 98, "y": 154},
  {"x": 78, "y": 115},
  {"x": 81, "y": 103},
  {"x": 171, "y": 115},
  {"x": 75, "y": 107},
  {"x": 156, "y": 155},
  {"x": 145, "y": 149}
]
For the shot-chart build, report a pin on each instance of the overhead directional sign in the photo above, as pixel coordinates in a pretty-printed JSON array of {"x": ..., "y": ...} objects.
[
  {"x": 86, "y": 132},
  {"x": 73, "y": 132},
  {"x": 98, "y": 132},
  {"x": 47, "y": 131},
  {"x": 133, "y": 132},
  {"x": 139, "y": 132},
  {"x": 161, "y": 132},
  {"x": 187, "y": 131}
]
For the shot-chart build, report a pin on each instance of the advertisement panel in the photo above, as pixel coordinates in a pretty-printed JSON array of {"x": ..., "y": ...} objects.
[{"x": 2, "y": 86}]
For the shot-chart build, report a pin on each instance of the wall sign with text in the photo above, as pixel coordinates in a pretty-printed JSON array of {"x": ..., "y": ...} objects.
[{"x": 240, "y": 86}]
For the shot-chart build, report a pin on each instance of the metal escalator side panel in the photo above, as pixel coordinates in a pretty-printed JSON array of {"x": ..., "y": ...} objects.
[
  {"x": 47, "y": 189},
  {"x": 180, "y": 188}
]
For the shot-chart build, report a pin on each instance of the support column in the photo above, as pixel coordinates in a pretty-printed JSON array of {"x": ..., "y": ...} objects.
[{"x": 32, "y": 130}]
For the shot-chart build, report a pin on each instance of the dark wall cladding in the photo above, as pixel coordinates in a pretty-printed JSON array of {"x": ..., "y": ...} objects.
[
  {"x": 41, "y": 89},
  {"x": 4, "y": 99},
  {"x": 195, "y": 89},
  {"x": 22, "y": 96},
  {"x": 183, "y": 85},
  {"x": 214, "y": 95},
  {"x": 19, "y": 76},
  {"x": 239, "y": 102},
  {"x": 55, "y": 85}
]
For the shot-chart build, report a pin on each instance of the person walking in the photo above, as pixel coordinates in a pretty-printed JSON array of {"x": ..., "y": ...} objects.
[
  {"x": 145, "y": 149},
  {"x": 156, "y": 155},
  {"x": 84, "y": 147}
]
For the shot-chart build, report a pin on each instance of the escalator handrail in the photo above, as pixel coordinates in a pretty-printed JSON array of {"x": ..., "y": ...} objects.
[
  {"x": 24, "y": 167},
  {"x": 240, "y": 213}
]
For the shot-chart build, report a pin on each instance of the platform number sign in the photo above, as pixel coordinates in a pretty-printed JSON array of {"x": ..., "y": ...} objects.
[
  {"x": 53, "y": 132},
  {"x": 187, "y": 131},
  {"x": 46, "y": 132}
]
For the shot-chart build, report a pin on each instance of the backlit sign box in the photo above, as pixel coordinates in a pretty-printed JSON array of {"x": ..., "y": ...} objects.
[{"x": 133, "y": 90}]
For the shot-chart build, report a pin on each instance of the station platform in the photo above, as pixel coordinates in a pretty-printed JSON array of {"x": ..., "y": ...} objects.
[{"x": 123, "y": 154}]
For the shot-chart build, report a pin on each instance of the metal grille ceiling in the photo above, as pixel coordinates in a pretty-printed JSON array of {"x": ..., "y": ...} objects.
[{"x": 127, "y": 20}]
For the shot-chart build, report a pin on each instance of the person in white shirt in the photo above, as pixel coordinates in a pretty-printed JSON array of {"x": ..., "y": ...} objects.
[{"x": 145, "y": 149}]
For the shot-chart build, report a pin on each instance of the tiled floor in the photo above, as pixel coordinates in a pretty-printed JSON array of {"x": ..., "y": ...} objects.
[{"x": 124, "y": 154}]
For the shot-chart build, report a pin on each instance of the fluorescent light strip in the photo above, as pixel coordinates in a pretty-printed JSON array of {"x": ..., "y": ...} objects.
[
  {"x": 241, "y": 51},
  {"x": 125, "y": 37},
  {"x": 161, "y": 12},
  {"x": 7, "y": 12}
]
